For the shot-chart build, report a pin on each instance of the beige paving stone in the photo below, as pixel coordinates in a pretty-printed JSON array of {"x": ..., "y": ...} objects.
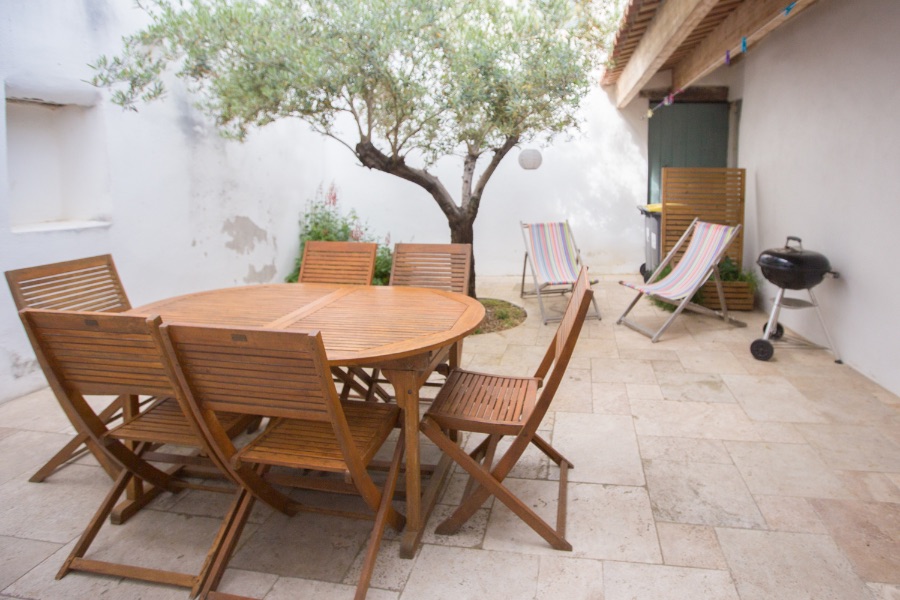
[
  {"x": 40, "y": 582},
  {"x": 575, "y": 392},
  {"x": 466, "y": 573},
  {"x": 873, "y": 487},
  {"x": 246, "y": 583},
  {"x": 707, "y": 361},
  {"x": 700, "y": 493},
  {"x": 843, "y": 401},
  {"x": 882, "y": 591},
  {"x": 772, "y": 398},
  {"x": 571, "y": 578},
  {"x": 603, "y": 448},
  {"x": 37, "y": 411},
  {"x": 610, "y": 398},
  {"x": 391, "y": 572},
  {"x": 290, "y": 588},
  {"x": 785, "y": 470},
  {"x": 307, "y": 545},
  {"x": 690, "y": 546},
  {"x": 604, "y": 522},
  {"x": 651, "y": 354},
  {"x": 596, "y": 347},
  {"x": 33, "y": 510},
  {"x": 25, "y": 451},
  {"x": 868, "y": 533},
  {"x": 683, "y": 449},
  {"x": 470, "y": 535},
  {"x": 778, "y": 432},
  {"x": 692, "y": 420},
  {"x": 643, "y": 391},
  {"x": 788, "y": 566},
  {"x": 666, "y": 366},
  {"x": 853, "y": 447},
  {"x": 786, "y": 513},
  {"x": 18, "y": 556},
  {"x": 626, "y": 581},
  {"x": 694, "y": 387},
  {"x": 611, "y": 370}
]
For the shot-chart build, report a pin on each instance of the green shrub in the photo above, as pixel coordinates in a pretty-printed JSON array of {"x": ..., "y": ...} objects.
[{"x": 324, "y": 221}]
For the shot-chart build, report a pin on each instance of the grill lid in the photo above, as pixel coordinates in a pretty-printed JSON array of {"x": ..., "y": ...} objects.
[{"x": 792, "y": 267}]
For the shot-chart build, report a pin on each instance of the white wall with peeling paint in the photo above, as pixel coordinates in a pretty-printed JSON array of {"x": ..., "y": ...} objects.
[{"x": 188, "y": 210}]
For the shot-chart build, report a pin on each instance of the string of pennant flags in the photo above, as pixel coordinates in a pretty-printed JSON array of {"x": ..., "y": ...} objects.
[{"x": 670, "y": 99}]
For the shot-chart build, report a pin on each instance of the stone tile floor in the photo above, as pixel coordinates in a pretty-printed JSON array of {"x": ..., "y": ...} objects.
[{"x": 700, "y": 474}]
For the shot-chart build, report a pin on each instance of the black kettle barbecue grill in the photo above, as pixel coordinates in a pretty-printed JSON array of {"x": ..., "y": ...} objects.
[{"x": 791, "y": 268}]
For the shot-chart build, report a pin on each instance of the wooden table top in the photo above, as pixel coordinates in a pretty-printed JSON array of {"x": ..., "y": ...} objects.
[{"x": 359, "y": 324}]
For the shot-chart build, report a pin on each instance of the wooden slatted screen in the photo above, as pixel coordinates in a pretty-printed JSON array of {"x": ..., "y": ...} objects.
[{"x": 710, "y": 194}]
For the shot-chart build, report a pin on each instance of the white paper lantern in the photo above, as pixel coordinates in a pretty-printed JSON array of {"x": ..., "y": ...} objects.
[{"x": 530, "y": 159}]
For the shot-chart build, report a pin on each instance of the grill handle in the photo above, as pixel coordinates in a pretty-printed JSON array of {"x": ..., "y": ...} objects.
[{"x": 794, "y": 238}]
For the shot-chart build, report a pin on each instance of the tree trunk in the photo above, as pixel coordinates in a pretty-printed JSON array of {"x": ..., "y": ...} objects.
[{"x": 462, "y": 232}]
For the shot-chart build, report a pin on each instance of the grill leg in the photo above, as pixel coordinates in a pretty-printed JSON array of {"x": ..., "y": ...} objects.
[
  {"x": 834, "y": 351},
  {"x": 773, "y": 318}
]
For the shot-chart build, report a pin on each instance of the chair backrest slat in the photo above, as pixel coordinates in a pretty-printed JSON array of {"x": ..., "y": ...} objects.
[
  {"x": 254, "y": 371},
  {"x": 87, "y": 284},
  {"x": 552, "y": 251},
  {"x": 85, "y": 353},
  {"x": 437, "y": 266},
  {"x": 350, "y": 263}
]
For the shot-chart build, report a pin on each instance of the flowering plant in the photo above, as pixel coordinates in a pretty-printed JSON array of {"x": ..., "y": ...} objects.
[{"x": 323, "y": 220}]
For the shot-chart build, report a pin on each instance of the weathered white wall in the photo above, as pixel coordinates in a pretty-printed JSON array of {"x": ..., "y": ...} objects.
[
  {"x": 190, "y": 211},
  {"x": 818, "y": 136}
]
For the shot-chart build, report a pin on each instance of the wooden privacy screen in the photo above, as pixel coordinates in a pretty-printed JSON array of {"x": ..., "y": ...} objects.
[{"x": 710, "y": 194}]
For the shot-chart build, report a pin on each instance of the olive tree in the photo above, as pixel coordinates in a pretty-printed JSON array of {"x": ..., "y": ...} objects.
[{"x": 417, "y": 79}]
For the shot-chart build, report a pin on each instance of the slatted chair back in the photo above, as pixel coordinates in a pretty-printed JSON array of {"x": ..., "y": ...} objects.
[
  {"x": 88, "y": 284},
  {"x": 85, "y": 353},
  {"x": 438, "y": 266},
  {"x": 275, "y": 374},
  {"x": 350, "y": 263},
  {"x": 553, "y": 366}
]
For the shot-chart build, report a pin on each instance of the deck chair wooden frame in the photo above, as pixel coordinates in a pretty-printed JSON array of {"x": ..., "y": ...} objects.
[
  {"x": 84, "y": 353},
  {"x": 285, "y": 376},
  {"x": 347, "y": 263},
  {"x": 90, "y": 284},
  {"x": 501, "y": 406},
  {"x": 708, "y": 244},
  {"x": 554, "y": 261}
]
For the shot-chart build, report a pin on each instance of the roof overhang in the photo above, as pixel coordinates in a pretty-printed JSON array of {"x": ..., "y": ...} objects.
[{"x": 691, "y": 38}]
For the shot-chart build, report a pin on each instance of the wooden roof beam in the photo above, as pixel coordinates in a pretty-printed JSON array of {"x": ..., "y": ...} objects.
[
  {"x": 753, "y": 20},
  {"x": 675, "y": 20}
]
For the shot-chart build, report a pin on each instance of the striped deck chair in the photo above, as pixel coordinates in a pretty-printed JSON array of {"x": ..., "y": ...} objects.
[
  {"x": 708, "y": 243},
  {"x": 555, "y": 261}
]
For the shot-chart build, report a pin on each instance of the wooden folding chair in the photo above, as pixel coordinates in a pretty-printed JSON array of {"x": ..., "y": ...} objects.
[
  {"x": 285, "y": 376},
  {"x": 708, "y": 244},
  {"x": 85, "y": 284},
  {"x": 350, "y": 263},
  {"x": 85, "y": 353},
  {"x": 554, "y": 259},
  {"x": 501, "y": 406}
]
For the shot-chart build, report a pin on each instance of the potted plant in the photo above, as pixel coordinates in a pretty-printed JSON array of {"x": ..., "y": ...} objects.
[{"x": 739, "y": 287}]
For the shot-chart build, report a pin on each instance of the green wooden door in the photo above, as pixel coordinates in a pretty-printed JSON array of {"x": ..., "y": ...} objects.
[{"x": 686, "y": 135}]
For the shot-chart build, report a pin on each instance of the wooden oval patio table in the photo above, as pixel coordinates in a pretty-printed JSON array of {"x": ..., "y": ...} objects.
[{"x": 404, "y": 331}]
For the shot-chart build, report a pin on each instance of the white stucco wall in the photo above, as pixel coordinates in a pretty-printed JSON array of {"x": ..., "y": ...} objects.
[
  {"x": 818, "y": 137},
  {"x": 190, "y": 211}
]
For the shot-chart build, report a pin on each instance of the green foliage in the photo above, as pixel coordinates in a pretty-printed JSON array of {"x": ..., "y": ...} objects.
[
  {"x": 323, "y": 220},
  {"x": 728, "y": 271},
  {"x": 400, "y": 83}
]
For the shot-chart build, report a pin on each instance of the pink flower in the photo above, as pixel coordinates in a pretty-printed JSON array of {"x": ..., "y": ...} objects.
[{"x": 332, "y": 198}]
